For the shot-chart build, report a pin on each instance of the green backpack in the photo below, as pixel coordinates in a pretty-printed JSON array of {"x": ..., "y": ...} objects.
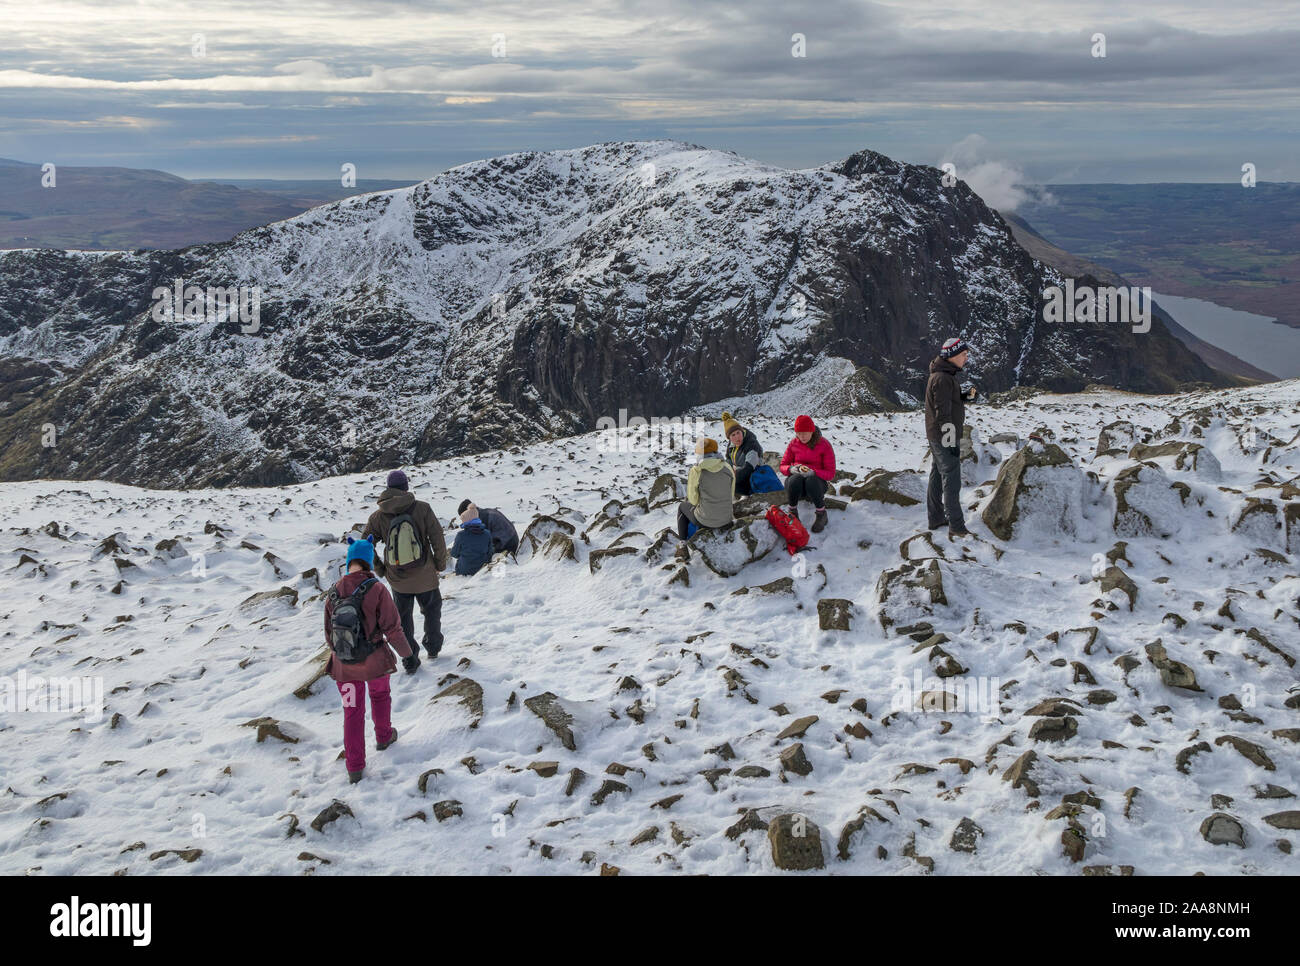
[{"x": 404, "y": 552}]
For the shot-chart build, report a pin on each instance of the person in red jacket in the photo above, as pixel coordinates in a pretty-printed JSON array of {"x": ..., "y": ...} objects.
[
  {"x": 383, "y": 627},
  {"x": 808, "y": 465}
]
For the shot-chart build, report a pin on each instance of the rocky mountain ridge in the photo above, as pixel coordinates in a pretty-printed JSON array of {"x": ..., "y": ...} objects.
[{"x": 525, "y": 297}]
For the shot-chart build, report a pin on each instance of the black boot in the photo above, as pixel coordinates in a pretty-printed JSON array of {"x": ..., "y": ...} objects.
[{"x": 819, "y": 521}]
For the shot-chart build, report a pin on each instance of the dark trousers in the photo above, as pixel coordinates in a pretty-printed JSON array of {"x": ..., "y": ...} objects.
[
  {"x": 431, "y": 607},
  {"x": 743, "y": 473},
  {"x": 811, "y": 488},
  {"x": 943, "y": 496}
]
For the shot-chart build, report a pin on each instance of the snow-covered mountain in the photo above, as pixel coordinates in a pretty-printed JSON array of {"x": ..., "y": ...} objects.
[
  {"x": 525, "y": 297},
  {"x": 1102, "y": 677}
]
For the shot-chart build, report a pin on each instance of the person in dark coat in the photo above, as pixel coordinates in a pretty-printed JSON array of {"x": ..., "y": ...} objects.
[
  {"x": 383, "y": 627},
  {"x": 945, "y": 417},
  {"x": 743, "y": 452},
  {"x": 472, "y": 547},
  {"x": 411, "y": 583},
  {"x": 504, "y": 537}
]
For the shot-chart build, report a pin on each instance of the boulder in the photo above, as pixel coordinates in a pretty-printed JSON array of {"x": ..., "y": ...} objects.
[
  {"x": 756, "y": 504},
  {"x": 469, "y": 693},
  {"x": 965, "y": 836},
  {"x": 1182, "y": 455},
  {"x": 1113, "y": 578},
  {"x": 1248, "y": 750},
  {"x": 1259, "y": 521},
  {"x": 312, "y": 672},
  {"x": 1289, "y": 820},
  {"x": 909, "y": 591},
  {"x": 608, "y": 787},
  {"x": 901, "y": 487},
  {"x": 1040, "y": 487},
  {"x": 609, "y": 515},
  {"x": 921, "y": 546},
  {"x": 1222, "y": 829},
  {"x": 729, "y": 550},
  {"x": 447, "y": 809},
  {"x": 834, "y": 613},
  {"x": 1020, "y": 773},
  {"x": 598, "y": 558},
  {"x": 1054, "y": 729},
  {"x": 1173, "y": 673},
  {"x": 1183, "y": 760},
  {"x": 558, "y": 546},
  {"x": 844, "y": 846},
  {"x": 548, "y": 707},
  {"x": 1147, "y": 503},
  {"x": 794, "y": 760},
  {"x": 269, "y": 728},
  {"x": 796, "y": 728},
  {"x": 1115, "y": 438},
  {"x": 796, "y": 843},
  {"x": 665, "y": 490},
  {"x": 332, "y": 812},
  {"x": 539, "y": 532},
  {"x": 285, "y": 596}
]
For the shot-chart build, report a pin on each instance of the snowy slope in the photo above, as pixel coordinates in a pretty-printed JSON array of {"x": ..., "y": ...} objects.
[{"x": 186, "y": 662}]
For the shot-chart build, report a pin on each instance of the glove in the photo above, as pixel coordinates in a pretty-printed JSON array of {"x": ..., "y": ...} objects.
[
  {"x": 971, "y": 393},
  {"x": 411, "y": 664}
]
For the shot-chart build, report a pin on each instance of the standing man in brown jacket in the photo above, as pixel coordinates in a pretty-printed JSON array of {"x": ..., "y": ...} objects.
[
  {"x": 945, "y": 416},
  {"x": 415, "y": 551}
]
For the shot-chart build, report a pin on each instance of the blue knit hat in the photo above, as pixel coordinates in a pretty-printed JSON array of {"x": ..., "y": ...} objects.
[
  {"x": 397, "y": 480},
  {"x": 362, "y": 550}
]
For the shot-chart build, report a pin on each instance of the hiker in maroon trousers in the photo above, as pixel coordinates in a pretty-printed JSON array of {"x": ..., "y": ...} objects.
[{"x": 383, "y": 627}]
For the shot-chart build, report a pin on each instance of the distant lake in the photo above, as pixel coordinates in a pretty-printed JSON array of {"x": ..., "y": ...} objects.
[{"x": 1255, "y": 338}]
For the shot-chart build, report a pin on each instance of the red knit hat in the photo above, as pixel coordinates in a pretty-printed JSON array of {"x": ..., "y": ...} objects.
[{"x": 804, "y": 424}]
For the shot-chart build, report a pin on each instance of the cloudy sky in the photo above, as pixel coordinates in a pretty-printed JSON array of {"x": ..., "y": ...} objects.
[{"x": 1187, "y": 91}]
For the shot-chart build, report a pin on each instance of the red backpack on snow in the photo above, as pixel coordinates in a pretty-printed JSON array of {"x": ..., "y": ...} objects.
[{"x": 788, "y": 526}]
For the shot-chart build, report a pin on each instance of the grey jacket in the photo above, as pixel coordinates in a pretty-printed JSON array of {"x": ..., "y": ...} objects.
[{"x": 711, "y": 489}]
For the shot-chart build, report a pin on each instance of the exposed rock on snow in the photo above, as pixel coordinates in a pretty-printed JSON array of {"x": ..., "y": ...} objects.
[
  {"x": 981, "y": 658},
  {"x": 729, "y": 550},
  {"x": 555, "y": 716},
  {"x": 796, "y": 843},
  {"x": 834, "y": 614},
  {"x": 1223, "y": 829},
  {"x": 1039, "y": 484},
  {"x": 903, "y": 487}
]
